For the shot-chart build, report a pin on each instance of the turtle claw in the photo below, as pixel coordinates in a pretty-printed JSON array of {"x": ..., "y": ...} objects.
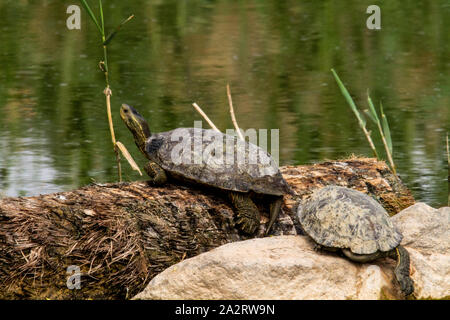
[
  {"x": 248, "y": 226},
  {"x": 317, "y": 247},
  {"x": 157, "y": 174}
]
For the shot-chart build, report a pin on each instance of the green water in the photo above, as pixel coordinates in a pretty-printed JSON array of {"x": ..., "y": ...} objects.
[{"x": 276, "y": 55}]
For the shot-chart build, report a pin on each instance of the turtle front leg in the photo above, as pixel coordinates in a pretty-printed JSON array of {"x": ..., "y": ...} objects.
[
  {"x": 156, "y": 173},
  {"x": 401, "y": 271},
  {"x": 248, "y": 216}
]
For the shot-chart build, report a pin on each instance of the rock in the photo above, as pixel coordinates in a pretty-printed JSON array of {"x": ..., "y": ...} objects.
[
  {"x": 426, "y": 235},
  {"x": 281, "y": 267},
  {"x": 288, "y": 267}
]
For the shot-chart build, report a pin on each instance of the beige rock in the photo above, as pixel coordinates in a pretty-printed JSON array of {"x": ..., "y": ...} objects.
[
  {"x": 426, "y": 235},
  {"x": 282, "y": 267},
  {"x": 287, "y": 267}
]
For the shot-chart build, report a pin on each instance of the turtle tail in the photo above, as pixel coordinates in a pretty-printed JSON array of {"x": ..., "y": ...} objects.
[
  {"x": 402, "y": 270},
  {"x": 275, "y": 208}
]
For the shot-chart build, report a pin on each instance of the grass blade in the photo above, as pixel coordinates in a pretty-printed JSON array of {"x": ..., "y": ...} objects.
[
  {"x": 369, "y": 114},
  {"x": 111, "y": 36},
  {"x": 346, "y": 95},
  {"x": 359, "y": 116},
  {"x": 91, "y": 14},
  {"x": 101, "y": 17},
  {"x": 361, "y": 119},
  {"x": 128, "y": 156},
  {"x": 386, "y": 131},
  {"x": 372, "y": 112}
]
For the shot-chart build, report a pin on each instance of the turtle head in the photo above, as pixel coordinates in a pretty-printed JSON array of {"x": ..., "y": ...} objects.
[{"x": 137, "y": 125}]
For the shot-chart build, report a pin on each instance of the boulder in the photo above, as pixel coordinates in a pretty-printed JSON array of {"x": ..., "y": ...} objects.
[
  {"x": 426, "y": 235},
  {"x": 288, "y": 267}
]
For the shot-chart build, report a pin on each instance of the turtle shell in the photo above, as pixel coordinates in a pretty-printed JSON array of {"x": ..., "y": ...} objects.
[
  {"x": 215, "y": 159},
  {"x": 339, "y": 217}
]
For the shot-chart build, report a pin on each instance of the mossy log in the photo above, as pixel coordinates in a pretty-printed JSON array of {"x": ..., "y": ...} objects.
[{"x": 121, "y": 235}]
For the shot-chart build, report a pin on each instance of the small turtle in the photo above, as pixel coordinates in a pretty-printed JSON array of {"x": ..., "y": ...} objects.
[
  {"x": 338, "y": 218},
  {"x": 213, "y": 159}
]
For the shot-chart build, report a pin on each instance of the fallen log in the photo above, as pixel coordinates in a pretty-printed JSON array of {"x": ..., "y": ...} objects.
[{"x": 120, "y": 235}]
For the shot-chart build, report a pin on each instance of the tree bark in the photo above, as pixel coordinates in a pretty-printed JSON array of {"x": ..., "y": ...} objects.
[{"x": 120, "y": 235}]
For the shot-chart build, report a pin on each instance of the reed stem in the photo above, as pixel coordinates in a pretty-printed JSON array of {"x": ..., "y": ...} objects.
[
  {"x": 388, "y": 153},
  {"x": 361, "y": 121},
  {"x": 108, "y": 92},
  {"x": 233, "y": 118},
  {"x": 212, "y": 125}
]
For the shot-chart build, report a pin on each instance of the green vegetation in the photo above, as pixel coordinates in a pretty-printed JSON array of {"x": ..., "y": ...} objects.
[
  {"x": 108, "y": 92},
  {"x": 383, "y": 126}
]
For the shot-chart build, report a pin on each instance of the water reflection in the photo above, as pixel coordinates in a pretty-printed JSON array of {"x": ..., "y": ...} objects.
[{"x": 276, "y": 55}]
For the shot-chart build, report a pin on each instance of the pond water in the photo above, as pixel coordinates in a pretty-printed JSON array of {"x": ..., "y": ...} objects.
[{"x": 276, "y": 56}]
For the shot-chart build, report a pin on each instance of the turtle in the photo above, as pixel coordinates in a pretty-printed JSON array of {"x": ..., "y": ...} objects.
[
  {"x": 346, "y": 220},
  {"x": 198, "y": 156}
]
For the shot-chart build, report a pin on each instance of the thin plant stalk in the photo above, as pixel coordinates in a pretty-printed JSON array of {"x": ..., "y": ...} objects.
[
  {"x": 233, "y": 118},
  {"x": 91, "y": 14},
  {"x": 212, "y": 125},
  {"x": 383, "y": 125},
  {"x": 387, "y": 142},
  {"x": 128, "y": 156},
  {"x": 361, "y": 120},
  {"x": 386, "y": 137},
  {"x": 104, "y": 67},
  {"x": 108, "y": 94}
]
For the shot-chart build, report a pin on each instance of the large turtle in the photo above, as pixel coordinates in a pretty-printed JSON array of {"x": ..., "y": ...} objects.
[
  {"x": 338, "y": 218},
  {"x": 213, "y": 159}
]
